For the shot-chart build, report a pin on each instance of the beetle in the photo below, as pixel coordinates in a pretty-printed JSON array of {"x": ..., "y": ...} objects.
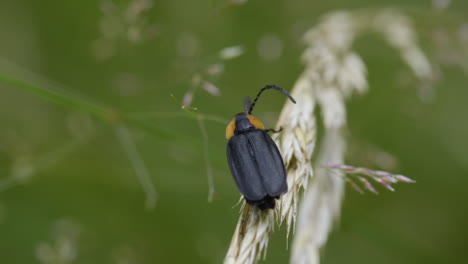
[{"x": 253, "y": 157}]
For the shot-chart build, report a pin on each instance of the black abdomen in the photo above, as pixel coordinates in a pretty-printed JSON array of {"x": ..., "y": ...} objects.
[{"x": 257, "y": 167}]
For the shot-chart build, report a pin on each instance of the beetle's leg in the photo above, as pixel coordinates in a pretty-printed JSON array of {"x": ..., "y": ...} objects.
[{"x": 273, "y": 130}]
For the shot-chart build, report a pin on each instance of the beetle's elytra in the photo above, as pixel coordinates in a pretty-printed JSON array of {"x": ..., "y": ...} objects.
[{"x": 254, "y": 159}]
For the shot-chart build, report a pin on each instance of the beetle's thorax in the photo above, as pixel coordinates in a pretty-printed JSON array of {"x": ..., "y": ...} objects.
[{"x": 242, "y": 123}]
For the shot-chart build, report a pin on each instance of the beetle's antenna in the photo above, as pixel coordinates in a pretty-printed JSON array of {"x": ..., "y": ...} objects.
[
  {"x": 247, "y": 103},
  {"x": 270, "y": 86}
]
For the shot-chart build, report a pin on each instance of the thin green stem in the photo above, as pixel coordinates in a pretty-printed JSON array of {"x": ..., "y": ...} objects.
[
  {"x": 138, "y": 164},
  {"x": 98, "y": 111},
  {"x": 59, "y": 98},
  {"x": 185, "y": 114},
  {"x": 206, "y": 154}
]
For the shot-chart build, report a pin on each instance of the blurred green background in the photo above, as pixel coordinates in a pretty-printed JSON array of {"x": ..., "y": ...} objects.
[{"x": 67, "y": 184}]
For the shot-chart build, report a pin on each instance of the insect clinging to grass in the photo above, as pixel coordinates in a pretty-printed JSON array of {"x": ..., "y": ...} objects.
[{"x": 254, "y": 159}]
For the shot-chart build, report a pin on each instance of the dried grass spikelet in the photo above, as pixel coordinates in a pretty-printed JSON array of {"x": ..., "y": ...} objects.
[
  {"x": 397, "y": 30},
  {"x": 321, "y": 204},
  {"x": 333, "y": 72},
  {"x": 251, "y": 235},
  {"x": 297, "y": 144},
  {"x": 337, "y": 72}
]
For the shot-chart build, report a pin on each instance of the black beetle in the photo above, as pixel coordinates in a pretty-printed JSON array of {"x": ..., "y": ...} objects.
[{"x": 254, "y": 159}]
